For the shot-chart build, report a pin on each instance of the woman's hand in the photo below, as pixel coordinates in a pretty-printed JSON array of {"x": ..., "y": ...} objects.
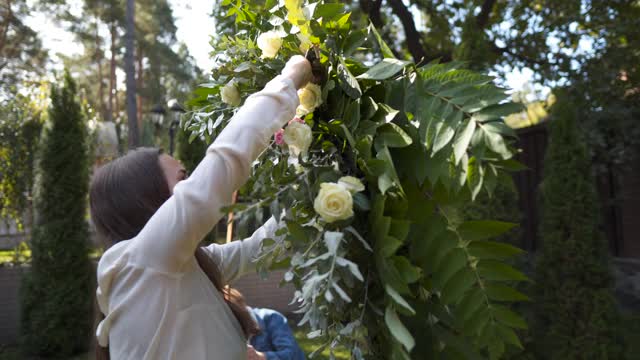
[
  {"x": 298, "y": 69},
  {"x": 252, "y": 354}
]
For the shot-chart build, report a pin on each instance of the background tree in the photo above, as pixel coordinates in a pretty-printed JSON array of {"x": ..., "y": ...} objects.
[
  {"x": 575, "y": 311},
  {"x": 190, "y": 153},
  {"x": 162, "y": 67},
  {"x": 591, "y": 44},
  {"x": 129, "y": 69},
  {"x": 57, "y": 292},
  {"x": 20, "y": 125},
  {"x": 22, "y": 57}
]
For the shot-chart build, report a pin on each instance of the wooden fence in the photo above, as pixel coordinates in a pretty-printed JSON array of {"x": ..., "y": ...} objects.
[
  {"x": 619, "y": 196},
  {"x": 258, "y": 292}
]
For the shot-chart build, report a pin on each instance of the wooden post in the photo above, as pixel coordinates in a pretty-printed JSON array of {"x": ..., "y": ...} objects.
[{"x": 234, "y": 199}]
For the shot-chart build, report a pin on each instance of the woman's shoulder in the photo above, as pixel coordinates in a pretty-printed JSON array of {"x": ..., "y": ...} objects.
[{"x": 114, "y": 257}]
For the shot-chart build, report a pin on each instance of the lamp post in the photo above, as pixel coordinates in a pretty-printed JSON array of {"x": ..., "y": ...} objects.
[
  {"x": 157, "y": 114},
  {"x": 148, "y": 136},
  {"x": 177, "y": 111}
]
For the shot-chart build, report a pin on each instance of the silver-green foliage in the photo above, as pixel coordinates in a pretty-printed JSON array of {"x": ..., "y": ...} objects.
[{"x": 403, "y": 278}]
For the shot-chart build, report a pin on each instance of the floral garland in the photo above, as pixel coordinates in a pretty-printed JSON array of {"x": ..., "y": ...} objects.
[{"x": 371, "y": 175}]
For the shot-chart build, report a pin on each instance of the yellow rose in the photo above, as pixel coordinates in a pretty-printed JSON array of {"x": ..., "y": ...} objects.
[
  {"x": 230, "y": 94},
  {"x": 333, "y": 202},
  {"x": 298, "y": 137},
  {"x": 269, "y": 42},
  {"x": 310, "y": 98},
  {"x": 353, "y": 184}
]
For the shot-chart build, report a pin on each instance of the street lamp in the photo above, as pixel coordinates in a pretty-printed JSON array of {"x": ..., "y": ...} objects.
[
  {"x": 177, "y": 111},
  {"x": 157, "y": 114}
]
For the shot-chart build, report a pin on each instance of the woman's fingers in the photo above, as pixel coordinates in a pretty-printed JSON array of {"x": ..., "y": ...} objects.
[{"x": 298, "y": 69}]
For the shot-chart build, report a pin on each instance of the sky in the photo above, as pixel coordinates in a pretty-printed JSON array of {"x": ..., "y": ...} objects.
[{"x": 194, "y": 29}]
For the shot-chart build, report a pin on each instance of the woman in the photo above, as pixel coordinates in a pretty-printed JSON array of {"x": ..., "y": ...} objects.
[{"x": 161, "y": 295}]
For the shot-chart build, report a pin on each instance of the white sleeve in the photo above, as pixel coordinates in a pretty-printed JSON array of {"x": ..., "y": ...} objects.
[
  {"x": 235, "y": 259},
  {"x": 170, "y": 237}
]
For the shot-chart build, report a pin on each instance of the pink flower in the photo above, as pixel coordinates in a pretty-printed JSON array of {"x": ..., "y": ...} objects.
[
  {"x": 279, "y": 137},
  {"x": 296, "y": 119}
]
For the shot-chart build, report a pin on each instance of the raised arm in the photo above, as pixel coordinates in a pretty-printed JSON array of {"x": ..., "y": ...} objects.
[
  {"x": 235, "y": 259},
  {"x": 170, "y": 237}
]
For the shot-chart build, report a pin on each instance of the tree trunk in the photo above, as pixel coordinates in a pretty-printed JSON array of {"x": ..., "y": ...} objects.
[
  {"x": 101, "y": 109},
  {"x": 414, "y": 39},
  {"x": 117, "y": 101},
  {"x": 7, "y": 16},
  {"x": 130, "y": 70},
  {"x": 139, "y": 85},
  {"x": 101, "y": 90},
  {"x": 372, "y": 9},
  {"x": 112, "y": 77}
]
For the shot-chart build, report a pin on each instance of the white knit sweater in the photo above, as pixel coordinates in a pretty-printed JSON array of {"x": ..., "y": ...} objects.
[{"x": 157, "y": 301}]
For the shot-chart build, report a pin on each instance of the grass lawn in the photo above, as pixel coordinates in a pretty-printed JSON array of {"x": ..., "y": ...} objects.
[
  {"x": 7, "y": 256},
  {"x": 309, "y": 345},
  {"x": 13, "y": 353},
  {"x": 10, "y": 256}
]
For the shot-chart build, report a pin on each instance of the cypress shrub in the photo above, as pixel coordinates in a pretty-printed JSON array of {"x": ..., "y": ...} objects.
[
  {"x": 574, "y": 307},
  {"x": 189, "y": 153},
  {"x": 57, "y": 292}
]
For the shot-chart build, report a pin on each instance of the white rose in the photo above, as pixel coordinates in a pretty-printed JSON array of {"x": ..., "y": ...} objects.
[
  {"x": 310, "y": 98},
  {"x": 353, "y": 184},
  {"x": 269, "y": 42},
  {"x": 333, "y": 202},
  {"x": 230, "y": 94},
  {"x": 298, "y": 137}
]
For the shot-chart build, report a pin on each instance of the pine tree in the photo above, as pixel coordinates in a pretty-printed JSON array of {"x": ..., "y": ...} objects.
[
  {"x": 574, "y": 309},
  {"x": 57, "y": 293}
]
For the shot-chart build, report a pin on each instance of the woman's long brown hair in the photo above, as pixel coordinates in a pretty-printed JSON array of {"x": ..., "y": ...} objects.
[{"x": 124, "y": 194}]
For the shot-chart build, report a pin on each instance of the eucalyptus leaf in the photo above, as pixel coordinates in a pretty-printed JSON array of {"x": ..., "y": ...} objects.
[
  {"x": 332, "y": 240},
  {"x": 397, "y": 329},
  {"x": 341, "y": 292},
  {"x": 355, "y": 233},
  {"x": 353, "y": 268},
  {"x": 399, "y": 300}
]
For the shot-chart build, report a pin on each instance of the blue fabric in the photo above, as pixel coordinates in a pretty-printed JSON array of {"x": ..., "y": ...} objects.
[{"x": 275, "y": 339}]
